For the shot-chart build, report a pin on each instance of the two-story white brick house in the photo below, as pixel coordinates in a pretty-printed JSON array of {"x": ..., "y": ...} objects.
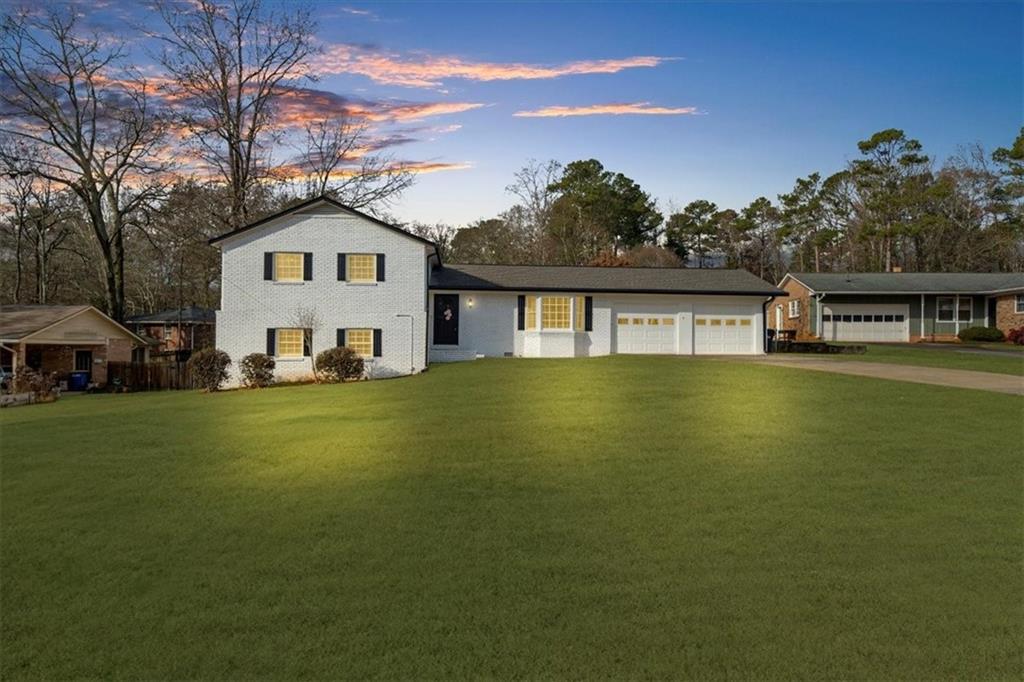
[{"x": 321, "y": 274}]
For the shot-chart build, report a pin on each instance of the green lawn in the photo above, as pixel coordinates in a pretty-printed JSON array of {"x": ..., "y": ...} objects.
[
  {"x": 946, "y": 358},
  {"x": 615, "y": 517}
]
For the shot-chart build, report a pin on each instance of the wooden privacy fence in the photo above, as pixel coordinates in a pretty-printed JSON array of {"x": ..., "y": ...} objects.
[{"x": 149, "y": 376}]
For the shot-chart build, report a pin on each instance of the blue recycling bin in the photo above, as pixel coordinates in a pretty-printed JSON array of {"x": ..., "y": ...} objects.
[{"x": 78, "y": 381}]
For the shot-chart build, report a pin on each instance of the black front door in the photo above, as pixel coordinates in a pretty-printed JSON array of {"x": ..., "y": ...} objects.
[
  {"x": 991, "y": 312},
  {"x": 446, "y": 319}
]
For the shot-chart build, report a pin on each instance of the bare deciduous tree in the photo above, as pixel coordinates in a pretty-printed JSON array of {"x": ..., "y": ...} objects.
[
  {"x": 230, "y": 62},
  {"x": 91, "y": 116},
  {"x": 308, "y": 320},
  {"x": 338, "y": 160}
]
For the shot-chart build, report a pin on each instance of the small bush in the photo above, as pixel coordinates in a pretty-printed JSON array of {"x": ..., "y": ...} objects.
[
  {"x": 209, "y": 368},
  {"x": 257, "y": 370},
  {"x": 41, "y": 385},
  {"x": 1016, "y": 336},
  {"x": 338, "y": 364},
  {"x": 980, "y": 334}
]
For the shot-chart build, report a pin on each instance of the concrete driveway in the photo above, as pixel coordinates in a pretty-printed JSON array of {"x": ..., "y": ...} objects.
[{"x": 957, "y": 378}]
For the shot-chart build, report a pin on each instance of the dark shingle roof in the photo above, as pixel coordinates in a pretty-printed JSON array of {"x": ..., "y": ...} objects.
[
  {"x": 598, "y": 279},
  {"x": 911, "y": 282},
  {"x": 17, "y": 321},
  {"x": 191, "y": 315}
]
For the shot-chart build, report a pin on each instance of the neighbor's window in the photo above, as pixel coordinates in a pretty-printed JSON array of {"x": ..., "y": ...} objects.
[
  {"x": 1020, "y": 303},
  {"x": 289, "y": 343},
  {"x": 745, "y": 322},
  {"x": 669, "y": 321},
  {"x": 361, "y": 341},
  {"x": 794, "y": 308},
  {"x": 947, "y": 305},
  {"x": 579, "y": 322},
  {"x": 362, "y": 267},
  {"x": 964, "y": 309},
  {"x": 531, "y": 312},
  {"x": 288, "y": 267},
  {"x": 554, "y": 312}
]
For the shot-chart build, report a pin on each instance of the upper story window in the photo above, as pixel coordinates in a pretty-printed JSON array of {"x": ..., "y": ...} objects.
[
  {"x": 794, "y": 308},
  {"x": 954, "y": 309},
  {"x": 287, "y": 267},
  {"x": 1020, "y": 303},
  {"x": 362, "y": 267}
]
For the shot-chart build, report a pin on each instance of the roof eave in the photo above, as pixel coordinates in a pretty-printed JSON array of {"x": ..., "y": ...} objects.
[{"x": 595, "y": 290}]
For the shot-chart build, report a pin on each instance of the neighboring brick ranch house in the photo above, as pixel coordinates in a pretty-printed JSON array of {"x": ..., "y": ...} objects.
[
  {"x": 386, "y": 294},
  {"x": 63, "y": 339},
  {"x": 175, "y": 331},
  {"x": 896, "y": 306}
]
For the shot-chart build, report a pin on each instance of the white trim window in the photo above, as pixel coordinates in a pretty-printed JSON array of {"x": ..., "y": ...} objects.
[
  {"x": 290, "y": 343},
  {"x": 288, "y": 266},
  {"x": 946, "y": 305},
  {"x": 794, "y": 308},
  {"x": 555, "y": 312},
  {"x": 1019, "y": 304},
  {"x": 361, "y": 341},
  {"x": 361, "y": 267}
]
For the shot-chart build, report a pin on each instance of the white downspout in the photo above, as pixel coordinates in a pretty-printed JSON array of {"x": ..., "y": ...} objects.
[
  {"x": 956, "y": 314},
  {"x": 922, "y": 317},
  {"x": 818, "y": 323}
]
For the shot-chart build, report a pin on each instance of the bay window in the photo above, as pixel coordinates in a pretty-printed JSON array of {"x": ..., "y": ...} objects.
[{"x": 554, "y": 312}]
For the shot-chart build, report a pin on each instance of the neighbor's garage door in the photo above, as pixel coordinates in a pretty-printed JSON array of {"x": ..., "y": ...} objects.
[
  {"x": 859, "y": 322},
  {"x": 646, "y": 333},
  {"x": 723, "y": 334}
]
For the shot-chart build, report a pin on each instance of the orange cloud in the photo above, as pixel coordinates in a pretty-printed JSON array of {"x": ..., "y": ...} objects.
[
  {"x": 612, "y": 109},
  {"x": 430, "y": 71}
]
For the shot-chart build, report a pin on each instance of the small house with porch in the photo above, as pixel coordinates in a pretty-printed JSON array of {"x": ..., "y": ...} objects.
[{"x": 77, "y": 342}]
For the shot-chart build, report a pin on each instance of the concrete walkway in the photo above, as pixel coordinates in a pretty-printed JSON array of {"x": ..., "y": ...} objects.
[{"x": 957, "y": 378}]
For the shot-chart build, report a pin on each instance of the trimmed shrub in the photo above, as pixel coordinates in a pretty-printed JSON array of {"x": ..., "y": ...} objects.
[
  {"x": 209, "y": 368},
  {"x": 1016, "y": 336},
  {"x": 257, "y": 370},
  {"x": 339, "y": 364},
  {"x": 980, "y": 334}
]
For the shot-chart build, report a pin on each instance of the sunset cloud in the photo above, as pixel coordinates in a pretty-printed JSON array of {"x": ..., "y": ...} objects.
[
  {"x": 429, "y": 71},
  {"x": 301, "y": 105},
  {"x": 612, "y": 109}
]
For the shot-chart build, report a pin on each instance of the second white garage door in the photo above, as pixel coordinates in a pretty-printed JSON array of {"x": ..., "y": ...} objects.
[
  {"x": 875, "y": 322},
  {"x": 723, "y": 334},
  {"x": 646, "y": 333}
]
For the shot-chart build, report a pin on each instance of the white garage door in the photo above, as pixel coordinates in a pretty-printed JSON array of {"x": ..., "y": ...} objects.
[
  {"x": 723, "y": 334},
  {"x": 859, "y": 322},
  {"x": 646, "y": 333}
]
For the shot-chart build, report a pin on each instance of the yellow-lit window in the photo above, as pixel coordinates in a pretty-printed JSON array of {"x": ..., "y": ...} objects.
[
  {"x": 531, "y": 312},
  {"x": 700, "y": 321},
  {"x": 638, "y": 320},
  {"x": 668, "y": 321},
  {"x": 362, "y": 267},
  {"x": 554, "y": 312},
  {"x": 579, "y": 324},
  {"x": 716, "y": 322},
  {"x": 288, "y": 267},
  {"x": 289, "y": 343},
  {"x": 623, "y": 320},
  {"x": 361, "y": 341},
  {"x": 653, "y": 322},
  {"x": 744, "y": 323},
  {"x": 730, "y": 323}
]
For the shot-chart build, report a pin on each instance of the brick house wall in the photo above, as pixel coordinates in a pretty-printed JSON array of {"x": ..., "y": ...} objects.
[
  {"x": 802, "y": 323},
  {"x": 1007, "y": 317}
]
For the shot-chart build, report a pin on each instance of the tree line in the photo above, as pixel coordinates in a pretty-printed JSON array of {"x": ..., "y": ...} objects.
[
  {"x": 891, "y": 208},
  {"x": 113, "y": 180}
]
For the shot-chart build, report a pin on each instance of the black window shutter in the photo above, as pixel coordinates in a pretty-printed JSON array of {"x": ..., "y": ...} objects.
[
  {"x": 380, "y": 267},
  {"x": 377, "y": 343},
  {"x": 271, "y": 342},
  {"x": 341, "y": 338},
  {"x": 588, "y": 315},
  {"x": 307, "y": 266},
  {"x": 341, "y": 267},
  {"x": 521, "y": 323},
  {"x": 268, "y": 265},
  {"x": 307, "y": 342}
]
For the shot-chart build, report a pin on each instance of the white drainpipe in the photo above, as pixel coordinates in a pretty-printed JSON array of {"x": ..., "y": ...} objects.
[
  {"x": 922, "y": 317},
  {"x": 817, "y": 317}
]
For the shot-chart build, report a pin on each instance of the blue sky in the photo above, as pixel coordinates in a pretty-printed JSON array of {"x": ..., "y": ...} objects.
[{"x": 779, "y": 89}]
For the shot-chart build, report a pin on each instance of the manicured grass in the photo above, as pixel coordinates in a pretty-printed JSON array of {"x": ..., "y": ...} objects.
[
  {"x": 946, "y": 358},
  {"x": 615, "y": 517}
]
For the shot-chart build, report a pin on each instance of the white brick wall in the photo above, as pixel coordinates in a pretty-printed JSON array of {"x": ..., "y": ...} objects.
[
  {"x": 488, "y": 327},
  {"x": 250, "y": 305}
]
